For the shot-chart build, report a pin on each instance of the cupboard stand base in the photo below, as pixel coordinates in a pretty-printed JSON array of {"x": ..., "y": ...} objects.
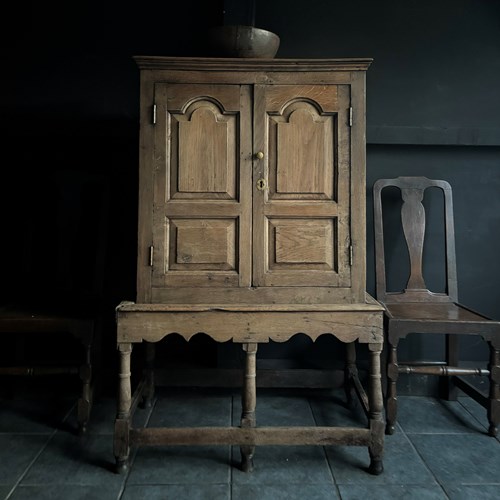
[{"x": 136, "y": 325}]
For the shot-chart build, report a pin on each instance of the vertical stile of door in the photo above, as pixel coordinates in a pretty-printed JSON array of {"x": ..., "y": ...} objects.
[
  {"x": 145, "y": 218},
  {"x": 260, "y": 171},
  {"x": 245, "y": 192},
  {"x": 160, "y": 183},
  {"x": 344, "y": 182},
  {"x": 358, "y": 185}
]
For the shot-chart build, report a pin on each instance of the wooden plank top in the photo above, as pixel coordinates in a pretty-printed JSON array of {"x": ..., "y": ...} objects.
[
  {"x": 244, "y": 64},
  {"x": 370, "y": 305}
]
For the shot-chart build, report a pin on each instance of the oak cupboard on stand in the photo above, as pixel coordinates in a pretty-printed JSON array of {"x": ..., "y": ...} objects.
[{"x": 251, "y": 229}]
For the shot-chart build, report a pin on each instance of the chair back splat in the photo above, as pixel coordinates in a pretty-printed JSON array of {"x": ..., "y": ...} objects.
[{"x": 413, "y": 220}]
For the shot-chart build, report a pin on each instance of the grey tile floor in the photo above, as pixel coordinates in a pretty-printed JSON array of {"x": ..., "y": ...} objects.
[{"x": 440, "y": 450}]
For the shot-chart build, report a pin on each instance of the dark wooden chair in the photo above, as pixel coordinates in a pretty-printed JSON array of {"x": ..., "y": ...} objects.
[
  {"x": 418, "y": 310},
  {"x": 56, "y": 291},
  {"x": 19, "y": 320}
]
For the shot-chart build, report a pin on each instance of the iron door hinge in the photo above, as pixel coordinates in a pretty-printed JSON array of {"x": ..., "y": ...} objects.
[
  {"x": 151, "y": 255},
  {"x": 350, "y": 116},
  {"x": 154, "y": 114}
]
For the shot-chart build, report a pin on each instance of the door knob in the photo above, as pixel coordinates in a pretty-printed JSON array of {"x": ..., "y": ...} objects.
[{"x": 259, "y": 155}]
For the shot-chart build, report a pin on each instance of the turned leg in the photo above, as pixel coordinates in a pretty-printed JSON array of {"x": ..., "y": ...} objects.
[
  {"x": 392, "y": 378},
  {"x": 494, "y": 403},
  {"x": 249, "y": 401},
  {"x": 376, "y": 405},
  {"x": 122, "y": 422},
  {"x": 85, "y": 401},
  {"x": 350, "y": 371},
  {"x": 149, "y": 389}
]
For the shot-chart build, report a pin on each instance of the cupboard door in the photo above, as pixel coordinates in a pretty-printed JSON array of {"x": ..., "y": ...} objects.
[
  {"x": 301, "y": 185},
  {"x": 201, "y": 165}
]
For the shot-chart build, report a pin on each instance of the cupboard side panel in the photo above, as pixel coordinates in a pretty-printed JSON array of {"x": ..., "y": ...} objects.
[
  {"x": 145, "y": 209},
  {"x": 358, "y": 185}
]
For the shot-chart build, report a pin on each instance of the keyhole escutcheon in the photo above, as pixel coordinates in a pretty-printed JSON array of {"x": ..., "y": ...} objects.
[{"x": 261, "y": 184}]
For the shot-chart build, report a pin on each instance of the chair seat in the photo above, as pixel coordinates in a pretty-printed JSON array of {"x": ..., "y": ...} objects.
[
  {"x": 433, "y": 312},
  {"x": 38, "y": 320}
]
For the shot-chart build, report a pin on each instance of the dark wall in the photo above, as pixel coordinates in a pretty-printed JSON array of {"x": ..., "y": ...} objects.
[
  {"x": 70, "y": 125},
  {"x": 436, "y": 71}
]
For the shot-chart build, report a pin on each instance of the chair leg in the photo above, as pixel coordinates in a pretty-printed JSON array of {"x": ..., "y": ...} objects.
[
  {"x": 122, "y": 422},
  {"x": 85, "y": 401},
  {"x": 249, "y": 401},
  {"x": 494, "y": 403},
  {"x": 449, "y": 389},
  {"x": 350, "y": 371},
  {"x": 392, "y": 378},
  {"x": 149, "y": 389}
]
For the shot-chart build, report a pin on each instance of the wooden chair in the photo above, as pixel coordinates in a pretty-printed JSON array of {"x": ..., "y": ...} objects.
[
  {"x": 418, "y": 310},
  {"x": 24, "y": 320},
  {"x": 60, "y": 283}
]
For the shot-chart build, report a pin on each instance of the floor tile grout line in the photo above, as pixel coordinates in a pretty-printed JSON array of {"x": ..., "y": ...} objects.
[
  {"x": 409, "y": 436},
  {"x": 441, "y": 401},
  {"x": 427, "y": 433},
  {"x": 334, "y": 481},
  {"x": 472, "y": 414},
  {"x": 231, "y": 449},
  {"x": 23, "y": 475},
  {"x": 480, "y": 484},
  {"x": 125, "y": 485},
  {"x": 134, "y": 454},
  {"x": 459, "y": 403},
  {"x": 410, "y": 442}
]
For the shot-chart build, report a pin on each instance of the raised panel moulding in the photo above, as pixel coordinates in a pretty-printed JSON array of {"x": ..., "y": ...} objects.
[
  {"x": 203, "y": 141},
  {"x": 324, "y": 98},
  {"x": 300, "y": 242},
  {"x": 203, "y": 243},
  {"x": 302, "y": 154}
]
